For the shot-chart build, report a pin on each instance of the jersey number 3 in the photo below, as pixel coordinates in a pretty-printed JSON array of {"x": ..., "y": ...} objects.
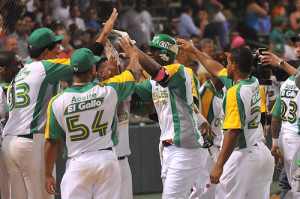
[
  {"x": 18, "y": 97},
  {"x": 96, "y": 127}
]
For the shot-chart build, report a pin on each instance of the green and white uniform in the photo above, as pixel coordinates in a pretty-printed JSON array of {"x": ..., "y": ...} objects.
[
  {"x": 242, "y": 108},
  {"x": 85, "y": 114},
  {"x": 286, "y": 109},
  {"x": 4, "y": 179},
  {"x": 184, "y": 158},
  {"x": 211, "y": 109},
  {"x": 30, "y": 92},
  {"x": 174, "y": 106},
  {"x": 27, "y": 98}
]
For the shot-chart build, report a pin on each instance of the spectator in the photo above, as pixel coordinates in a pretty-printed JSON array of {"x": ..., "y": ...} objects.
[
  {"x": 207, "y": 48},
  {"x": 214, "y": 9},
  {"x": 11, "y": 44},
  {"x": 62, "y": 12},
  {"x": 75, "y": 19},
  {"x": 186, "y": 26},
  {"x": 253, "y": 11},
  {"x": 172, "y": 25},
  {"x": 277, "y": 34},
  {"x": 22, "y": 37},
  {"x": 46, "y": 20},
  {"x": 265, "y": 22},
  {"x": 90, "y": 23},
  {"x": 130, "y": 22},
  {"x": 2, "y": 30},
  {"x": 237, "y": 41},
  {"x": 289, "y": 47},
  {"x": 279, "y": 9},
  {"x": 84, "y": 39},
  {"x": 29, "y": 19},
  {"x": 295, "y": 17},
  {"x": 66, "y": 50},
  {"x": 146, "y": 19},
  {"x": 43, "y": 10}
]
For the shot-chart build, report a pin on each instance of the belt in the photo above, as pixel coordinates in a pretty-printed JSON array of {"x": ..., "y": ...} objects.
[
  {"x": 29, "y": 136},
  {"x": 122, "y": 157},
  {"x": 166, "y": 144},
  {"x": 109, "y": 148}
]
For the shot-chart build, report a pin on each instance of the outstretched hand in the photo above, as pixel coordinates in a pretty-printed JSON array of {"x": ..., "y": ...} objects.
[
  {"x": 186, "y": 45},
  {"x": 127, "y": 46},
  {"x": 109, "y": 24}
]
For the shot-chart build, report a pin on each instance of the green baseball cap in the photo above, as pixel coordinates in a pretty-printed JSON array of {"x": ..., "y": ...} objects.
[
  {"x": 82, "y": 60},
  {"x": 42, "y": 37}
]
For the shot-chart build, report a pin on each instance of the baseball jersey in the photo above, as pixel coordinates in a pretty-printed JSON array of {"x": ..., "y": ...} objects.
[
  {"x": 211, "y": 109},
  {"x": 30, "y": 92},
  {"x": 286, "y": 107},
  {"x": 242, "y": 110},
  {"x": 196, "y": 86},
  {"x": 122, "y": 148},
  {"x": 174, "y": 106},
  {"x": 84, "y": 115},
  {"x": 3, "y": 107}
]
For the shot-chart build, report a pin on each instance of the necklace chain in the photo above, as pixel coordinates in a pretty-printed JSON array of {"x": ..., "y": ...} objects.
[{"x": 80, "y": 84}]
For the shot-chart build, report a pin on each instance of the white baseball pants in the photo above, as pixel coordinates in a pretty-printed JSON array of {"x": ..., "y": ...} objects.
[
  {"x": 24, "y": 160},
  {"x": 180, "y": 169},
  {"x": 126, "y": 179},
  {"x": 204, "y": 189},
  {"x": 290, "y": 147},
  {"x": 4, "y": 179},
  {"x": 247, "y": 174},
  {"x": 94, "y": 174}
]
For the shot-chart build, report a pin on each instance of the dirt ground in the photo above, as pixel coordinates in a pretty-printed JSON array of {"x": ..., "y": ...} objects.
[{"x": 275, "y": 197}]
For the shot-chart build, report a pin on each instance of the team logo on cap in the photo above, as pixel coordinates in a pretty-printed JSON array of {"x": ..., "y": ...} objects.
[
  {"x": 169, "y": 46},
  {"x": 75, "y": 68}
]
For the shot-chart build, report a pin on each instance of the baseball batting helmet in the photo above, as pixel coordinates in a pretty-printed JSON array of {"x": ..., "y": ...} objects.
[{"x": 167, "y": 45}]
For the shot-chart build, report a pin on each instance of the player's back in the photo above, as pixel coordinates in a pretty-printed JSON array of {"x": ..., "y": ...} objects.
[
  {"x": 29, "y": 94},
  {"x": 245, "y": 97},
  {"x": 290, "y": 112}
]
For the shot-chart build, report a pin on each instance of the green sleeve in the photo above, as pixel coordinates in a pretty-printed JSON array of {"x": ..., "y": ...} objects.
[
  {"x": 144, "y": 90},
  {"x": 124, "y": 84},
  {"x": 53, "y": 129},
  {"x": 197, "y": 85},
  {"x": 276, "y": 110},
  {"x": 57, "y": 69},
  {"x": 228, "y": 83}
]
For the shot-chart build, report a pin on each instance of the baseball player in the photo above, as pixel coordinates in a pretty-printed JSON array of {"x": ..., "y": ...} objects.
[
  {"x": 10, "y": 64},
  {"x": 84, "y": 115},
  {"x": 285, "y": 120},
  {"x": 28, "y": 96},
  {"x": 107, "y": 69},
  {"x": 171, "y": 92},
  {"x": 244, "y": 167}
]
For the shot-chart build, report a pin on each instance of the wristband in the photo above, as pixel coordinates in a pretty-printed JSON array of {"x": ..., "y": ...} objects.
[
  {"x": 200, "y": 119},
  {"x": 275, "y": 142}
]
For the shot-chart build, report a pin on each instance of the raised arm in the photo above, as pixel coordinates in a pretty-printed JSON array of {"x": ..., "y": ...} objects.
[
  {"x": 130, "y": 51},
  {"x": 148, "y": 64},
  {"x": 270, "y": 58},
  {"x": 212, "y": 66}
]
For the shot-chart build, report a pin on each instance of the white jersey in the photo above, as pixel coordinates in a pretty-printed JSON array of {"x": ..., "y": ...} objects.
[
  {"x": 174, "y": 106},
  {"x": 211, "y": 109},
  {"x": 122, "y": 148},
  {"x": 30, "y": 92},
  {"x": 3, "y": 89},
  {"x": 286, "y": 107},
  {"x": 242, "y": 106},
  {"x": 84, "y": 115}
]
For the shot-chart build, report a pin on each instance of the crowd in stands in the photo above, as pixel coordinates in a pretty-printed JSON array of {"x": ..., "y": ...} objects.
[{"x": 213, "y": 25}]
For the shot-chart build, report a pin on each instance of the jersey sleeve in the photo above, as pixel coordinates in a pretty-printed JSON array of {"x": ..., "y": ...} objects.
[
  {"x": 2, "y": 103},
  {"x": 234, "y": 111},
  {"x": 195, "y": 84},
  {"x": 206, "y": 96},
  {"x": 276, "y": 110},
  {"x": 144, "y": 90},
  {"x": 176, "y": 75},
  {"x": 123, "y": 84},
  {"x": 53, "y": 129},
  {"x": 57, "y": 69},
  {"x": 263, "y": 100},
  {"x": 228, "y": 83}
]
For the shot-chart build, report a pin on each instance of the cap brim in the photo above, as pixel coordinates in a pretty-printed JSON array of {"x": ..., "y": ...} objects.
[
  {"x": 96, "y": 59},
  {"x": 59, "y": 37}
]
